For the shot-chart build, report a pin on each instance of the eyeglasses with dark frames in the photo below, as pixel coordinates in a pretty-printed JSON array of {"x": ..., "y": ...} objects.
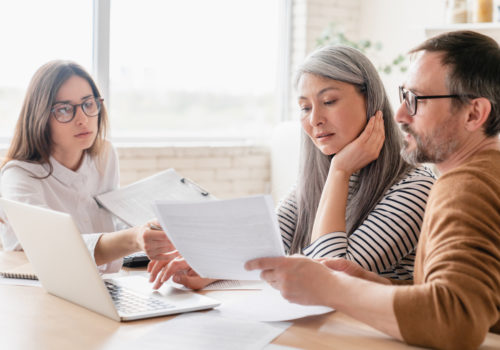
[
  {"x": 65, "y": 112},
  {"x": 411, "y": 99}
]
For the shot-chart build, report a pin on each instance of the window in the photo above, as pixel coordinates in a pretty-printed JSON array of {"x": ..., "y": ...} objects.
[
  {"x": 33, "y": 33},
  {"x": 193, "y": 67},
  {"x": 181, "y": 69}
]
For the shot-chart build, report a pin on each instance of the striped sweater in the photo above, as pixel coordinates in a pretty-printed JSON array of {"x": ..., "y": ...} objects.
[{"x": 385, "y": 242}]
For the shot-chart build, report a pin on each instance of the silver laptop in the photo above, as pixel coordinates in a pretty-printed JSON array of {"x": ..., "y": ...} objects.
[{"x": 65, "y": 268}]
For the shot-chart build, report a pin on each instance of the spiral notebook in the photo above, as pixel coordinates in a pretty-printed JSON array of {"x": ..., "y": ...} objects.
[{"x": 21, "y": 272}]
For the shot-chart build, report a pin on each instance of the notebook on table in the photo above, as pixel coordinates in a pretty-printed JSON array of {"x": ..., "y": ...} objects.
[
  {"x": 21, "y": 272},
  {"x": 65, "y": 268}
]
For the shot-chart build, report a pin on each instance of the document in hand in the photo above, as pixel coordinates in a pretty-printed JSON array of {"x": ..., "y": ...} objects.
[
  {"x": 217, "y": 237},
  {"x": 133, "y": 204}
]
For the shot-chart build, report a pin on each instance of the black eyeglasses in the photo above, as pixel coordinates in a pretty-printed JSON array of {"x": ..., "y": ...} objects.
[
  {"x": 411, "y": 99},
  {"x": 65, "y": 112}
]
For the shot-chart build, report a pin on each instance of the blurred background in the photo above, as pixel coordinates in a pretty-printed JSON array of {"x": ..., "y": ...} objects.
[{"x": 206, "y": 87}]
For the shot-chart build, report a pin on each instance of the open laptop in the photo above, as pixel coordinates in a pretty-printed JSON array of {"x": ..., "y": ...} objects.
[{"x": 65, "y": 268}]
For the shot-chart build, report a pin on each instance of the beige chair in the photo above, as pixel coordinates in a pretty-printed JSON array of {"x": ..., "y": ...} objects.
[{"x": 285, "y": 147}]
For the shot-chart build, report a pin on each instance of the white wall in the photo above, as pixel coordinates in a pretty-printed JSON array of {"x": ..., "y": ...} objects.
[
  {"x": 399, "y": 25},
  {"x": 226, "y": 171}
]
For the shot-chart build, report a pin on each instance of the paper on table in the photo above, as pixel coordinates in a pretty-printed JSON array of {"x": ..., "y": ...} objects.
[
  {"x": 278, "y": 347},
  {"x": 268, "y": 305},
  {"x": 208, "y": 331},
  {"x": 235, "y": 284},
  {"x": 133, "y": 204},
  {"x": 226, "y": 285},
  {"x": 217, "y": 237}
]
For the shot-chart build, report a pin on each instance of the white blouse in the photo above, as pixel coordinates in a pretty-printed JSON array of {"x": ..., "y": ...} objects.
[{"x": 67, "y": 191}]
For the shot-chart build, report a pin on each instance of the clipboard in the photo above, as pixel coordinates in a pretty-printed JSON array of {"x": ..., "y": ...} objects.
[{"x": 133, "y": 204}]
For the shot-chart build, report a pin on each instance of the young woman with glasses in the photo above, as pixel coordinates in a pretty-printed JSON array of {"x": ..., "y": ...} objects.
[
  {"x": 59, "y": 159},
  {"x": 355, "y": 197}
]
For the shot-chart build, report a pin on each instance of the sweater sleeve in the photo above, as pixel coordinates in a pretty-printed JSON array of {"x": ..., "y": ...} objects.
[
  {"x": 456, "y": 296},
  {"x": 389, "y": 234}
]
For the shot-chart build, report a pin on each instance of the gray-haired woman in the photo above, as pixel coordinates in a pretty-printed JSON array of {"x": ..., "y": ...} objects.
[{"x": 355, "y": 197}]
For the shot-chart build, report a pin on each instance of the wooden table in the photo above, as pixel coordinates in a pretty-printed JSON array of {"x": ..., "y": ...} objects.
[{"x": 30, "y": 318}]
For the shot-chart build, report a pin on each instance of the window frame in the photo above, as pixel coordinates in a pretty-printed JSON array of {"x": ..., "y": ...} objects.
[{"x": 100, "y": 71}]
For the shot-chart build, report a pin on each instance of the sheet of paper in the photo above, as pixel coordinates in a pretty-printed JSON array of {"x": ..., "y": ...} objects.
[
  {"x": 267, "y": 305},
  {"x": 133, "y": 204},
  {"x": 207, "y": 331},
  {"x": 278, "y": 347},
  {"x": 217, "y": 237},
  {"x": 235, "y": 285},
  {"x": 226, "y": 285}
]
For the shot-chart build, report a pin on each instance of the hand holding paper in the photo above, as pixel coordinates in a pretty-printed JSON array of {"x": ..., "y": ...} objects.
[{"x": 217, "y": 237}]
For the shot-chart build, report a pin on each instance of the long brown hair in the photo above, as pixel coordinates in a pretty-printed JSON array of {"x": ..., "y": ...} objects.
[{"x": 32, "y": 137}]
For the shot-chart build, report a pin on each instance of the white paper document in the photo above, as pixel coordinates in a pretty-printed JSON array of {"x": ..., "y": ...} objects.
[
  {"x": 267, "y": 305},
  {"x": 217, "y": 237},
  {"x": 226, "y": 285},
  {"x": 278, "y": 347},
  {"x": 205, "y": 331},
  {"x": 133, "y": 204},
  {"x": 235, "y": 285}
]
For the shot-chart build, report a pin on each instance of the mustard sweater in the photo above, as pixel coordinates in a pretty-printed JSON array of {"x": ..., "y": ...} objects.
[{"x": 455, "y": 296}]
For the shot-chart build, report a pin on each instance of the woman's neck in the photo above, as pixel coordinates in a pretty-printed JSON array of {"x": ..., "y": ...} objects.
[{"x": 71, "y": 161}]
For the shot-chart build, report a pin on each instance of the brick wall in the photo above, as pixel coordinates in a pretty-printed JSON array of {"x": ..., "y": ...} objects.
[
  {"x": 225, "y": 171},
  {"x": 309, "y": 20}
]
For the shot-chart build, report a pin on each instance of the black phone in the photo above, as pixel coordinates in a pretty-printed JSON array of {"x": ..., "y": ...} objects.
[{"x": 136, "y": 260}]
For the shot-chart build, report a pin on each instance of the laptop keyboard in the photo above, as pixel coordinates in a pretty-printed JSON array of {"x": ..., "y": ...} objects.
[{"x": 128, "y": 302}]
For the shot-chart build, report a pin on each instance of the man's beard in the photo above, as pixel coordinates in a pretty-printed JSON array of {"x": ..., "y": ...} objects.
[{"x": 433, "y": 148}]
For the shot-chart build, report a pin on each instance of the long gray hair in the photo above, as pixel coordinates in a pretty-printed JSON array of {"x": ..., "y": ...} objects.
[{"x": 348, "y": 65}]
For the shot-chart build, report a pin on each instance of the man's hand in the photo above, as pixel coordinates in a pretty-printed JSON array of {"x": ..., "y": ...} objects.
[{"x": 299, "y": 279}]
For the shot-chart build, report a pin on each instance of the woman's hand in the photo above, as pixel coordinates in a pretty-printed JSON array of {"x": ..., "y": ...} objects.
[
  {"x": 331, "y": 212},
  {"x": 352, "y": 269},
  {"x": 179, "y": 270},
  {"x": 363, "y": 150},
  {"x": 154, "y": 242}
]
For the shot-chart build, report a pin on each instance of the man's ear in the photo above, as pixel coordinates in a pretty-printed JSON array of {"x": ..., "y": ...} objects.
[{"x": 478, "y": 113}]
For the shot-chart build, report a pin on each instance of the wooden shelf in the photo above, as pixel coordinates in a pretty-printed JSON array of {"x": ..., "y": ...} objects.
[{"x": 490, "y": 29}]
